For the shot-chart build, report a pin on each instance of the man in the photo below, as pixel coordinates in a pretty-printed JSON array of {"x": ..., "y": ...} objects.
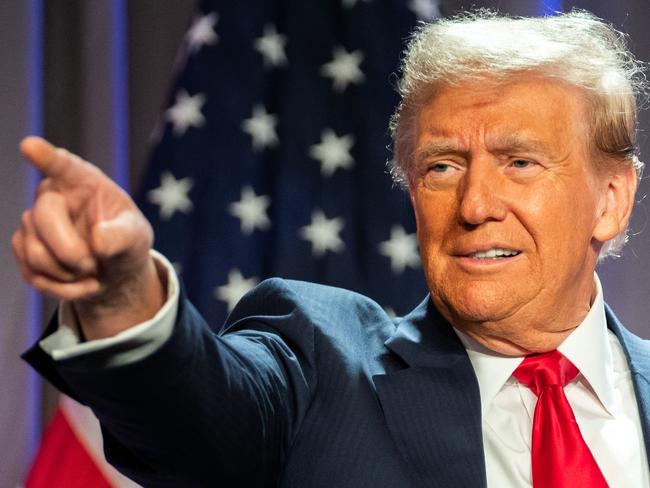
[{"x": 515, "y": 141}]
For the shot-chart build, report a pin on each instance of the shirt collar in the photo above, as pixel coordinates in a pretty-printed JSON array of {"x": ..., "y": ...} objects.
[
  {"x": 587, "y": 347},
  {"x": 589, "y": 350}
]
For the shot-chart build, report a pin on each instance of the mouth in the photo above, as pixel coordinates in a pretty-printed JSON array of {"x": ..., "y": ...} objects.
[{"x": 494, "y": 253}]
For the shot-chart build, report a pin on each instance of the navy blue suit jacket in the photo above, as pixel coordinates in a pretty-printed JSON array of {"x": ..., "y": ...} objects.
[{"x": 310, "y": 386}]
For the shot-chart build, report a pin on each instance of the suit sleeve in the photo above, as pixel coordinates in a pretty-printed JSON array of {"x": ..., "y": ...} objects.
[{"x": 203, "y": 409}]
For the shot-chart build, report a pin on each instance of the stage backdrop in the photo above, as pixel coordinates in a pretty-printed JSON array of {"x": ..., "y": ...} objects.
[{"x": 95, "y": 76}]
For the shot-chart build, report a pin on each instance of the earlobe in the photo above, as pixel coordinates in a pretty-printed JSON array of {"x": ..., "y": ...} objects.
[{"x": 617, "y": 205}]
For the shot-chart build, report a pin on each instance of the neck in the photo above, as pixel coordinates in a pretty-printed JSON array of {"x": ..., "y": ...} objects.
[{"x": 529, "y": 330}]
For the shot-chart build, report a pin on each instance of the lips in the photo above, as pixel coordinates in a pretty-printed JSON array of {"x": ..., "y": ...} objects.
[
  {"x": 491, "y": 251},
  {"x": 494, "y": 253}
]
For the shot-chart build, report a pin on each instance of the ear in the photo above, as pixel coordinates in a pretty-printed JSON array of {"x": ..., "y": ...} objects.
[{"x": 617, "y": 204}]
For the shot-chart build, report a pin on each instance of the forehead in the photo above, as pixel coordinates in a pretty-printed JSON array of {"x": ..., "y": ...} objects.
[{"x": 540, "y": 111}]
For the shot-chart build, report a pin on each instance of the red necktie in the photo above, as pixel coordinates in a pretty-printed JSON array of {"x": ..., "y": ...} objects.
[{"x": 560, "y": 456}]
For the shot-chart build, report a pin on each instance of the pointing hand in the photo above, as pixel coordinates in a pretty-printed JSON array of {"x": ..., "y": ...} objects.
[{"x": 85, "y": 241}]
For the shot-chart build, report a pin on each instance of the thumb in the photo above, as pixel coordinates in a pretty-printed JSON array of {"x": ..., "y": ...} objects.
[{"x": 128, "y": 234}]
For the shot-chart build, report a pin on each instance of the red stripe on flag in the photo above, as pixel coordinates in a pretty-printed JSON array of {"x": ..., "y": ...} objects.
[{"x": 62, "y": 460}]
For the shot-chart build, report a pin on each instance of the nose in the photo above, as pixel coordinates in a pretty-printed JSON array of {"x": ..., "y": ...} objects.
[{"x": 481, "y": 194}]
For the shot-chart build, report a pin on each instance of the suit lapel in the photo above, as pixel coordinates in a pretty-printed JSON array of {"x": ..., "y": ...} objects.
[
  {"x": 433, "y": 407},
  {"x": 637, "y": 351}
]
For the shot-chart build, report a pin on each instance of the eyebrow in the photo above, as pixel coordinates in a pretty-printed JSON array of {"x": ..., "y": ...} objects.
[
  {"x": 437, "y": 147},
  {"x": 499, "y": 144}
]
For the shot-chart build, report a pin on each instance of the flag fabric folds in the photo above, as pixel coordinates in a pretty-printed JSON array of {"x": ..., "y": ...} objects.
[
  {"x": 270, "y": 158},
  {"x": 71, "y": 453}
]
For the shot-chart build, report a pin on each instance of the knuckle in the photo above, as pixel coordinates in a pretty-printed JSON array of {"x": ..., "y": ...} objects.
[
  {"x": 25, "y": 218},
  {"x": 32, "y": 256},
  {"x": 47, "y": 199},
  {"x": 36, "y": 255},
  {"x": 62, "y": 152},
  {"x": 43, "y": 187},
  {"x": 17, "y": 247},
  {"x": 16, "y": 240}
]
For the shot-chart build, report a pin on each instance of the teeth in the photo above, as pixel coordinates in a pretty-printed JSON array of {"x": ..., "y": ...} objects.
[{"x": 494, "y": 253}]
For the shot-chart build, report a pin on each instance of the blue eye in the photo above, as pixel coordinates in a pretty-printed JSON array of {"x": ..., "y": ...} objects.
[
  {"x": 440, "y": 167},
  {"x": 521, "y": 163}
]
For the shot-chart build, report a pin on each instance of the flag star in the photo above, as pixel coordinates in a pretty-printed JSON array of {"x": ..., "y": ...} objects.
[
  {"x": 271, "y": 46},
  {"x": 261, "y": 127},
  {"x": 171, "y": 195},
  {"x": 333, "y": 152},
  {"x": 251, "y": 211},
  {"x": 401, "y": 249},
  {"x": 351, "y": 3},
  {"x": 236, "y": 288},
  {"x": 323, "y": 233},
  {"x": 425, "y": 9},
  {"x": 344, "y": 68},
  {"x": 202, "y": 32},
  {"x": 186, "y": 112}
]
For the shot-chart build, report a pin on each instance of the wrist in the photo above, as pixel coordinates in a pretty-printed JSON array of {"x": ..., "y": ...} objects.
[{"x": 132, "y": 301}]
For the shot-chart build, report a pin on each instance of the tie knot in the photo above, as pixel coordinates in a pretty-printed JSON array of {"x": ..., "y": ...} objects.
[{"x": 541, "y": 371}]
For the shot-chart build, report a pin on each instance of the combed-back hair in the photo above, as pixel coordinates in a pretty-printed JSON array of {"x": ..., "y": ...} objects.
[{"x": 576, "y": 48}]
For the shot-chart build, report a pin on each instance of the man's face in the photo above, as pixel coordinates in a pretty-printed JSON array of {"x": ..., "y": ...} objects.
[{"x": 508, "y": 209}]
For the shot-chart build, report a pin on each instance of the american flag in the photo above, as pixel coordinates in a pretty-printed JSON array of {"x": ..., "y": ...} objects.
[{"x": 270, "y": 159}]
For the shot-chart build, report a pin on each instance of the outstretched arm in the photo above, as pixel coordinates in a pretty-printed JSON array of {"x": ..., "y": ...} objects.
[{"x": 199, "y": 409}]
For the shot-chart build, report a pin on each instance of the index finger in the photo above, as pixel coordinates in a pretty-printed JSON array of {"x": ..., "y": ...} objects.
[{"x": 54, "y": 162}]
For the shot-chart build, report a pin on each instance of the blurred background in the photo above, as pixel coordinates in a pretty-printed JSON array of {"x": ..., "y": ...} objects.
[{"x": 262, "y": 121}]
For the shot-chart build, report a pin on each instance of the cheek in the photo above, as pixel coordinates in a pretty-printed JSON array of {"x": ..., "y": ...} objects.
[
  {"x": 435, "y": 219},
  {"x": 561, "y": 223}
]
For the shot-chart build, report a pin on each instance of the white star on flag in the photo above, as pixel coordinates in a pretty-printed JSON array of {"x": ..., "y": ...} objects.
[
  {"x": 351, "y": 3},
  {"x": 271, "y": 46},
  {"x": 186, "y": 112},
  {"x": 333, "y": 152},
  {"x": 261, "y": 127},
  {"x": 202, "y": 32},
  {"x": 323, "y": 233},
  {"x": 171, "y": 195},
  {"x": 236, "y": 288},
  {"x": 251, "y": 211},
  {"x": 344, "y": 68},
  {"x": 425, "y": 9},
  {"x": 401, "y": 249}
]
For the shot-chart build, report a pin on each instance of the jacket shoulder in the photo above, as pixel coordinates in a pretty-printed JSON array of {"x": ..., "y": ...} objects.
[
  {"x": 637, "y": 350},
  {"x": 328, "y": 310}
]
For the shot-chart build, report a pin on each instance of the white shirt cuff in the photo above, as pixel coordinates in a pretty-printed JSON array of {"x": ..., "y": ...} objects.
[{"x": 127, "y": 346}]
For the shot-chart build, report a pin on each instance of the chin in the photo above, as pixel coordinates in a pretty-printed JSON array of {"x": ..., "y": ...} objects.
[{"x": 480, "y": 301}]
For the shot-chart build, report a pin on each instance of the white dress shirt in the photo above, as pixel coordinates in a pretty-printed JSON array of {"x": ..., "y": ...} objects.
[
  {"x": 129, "y": 345},
  {"x": 602, "y": 395}
]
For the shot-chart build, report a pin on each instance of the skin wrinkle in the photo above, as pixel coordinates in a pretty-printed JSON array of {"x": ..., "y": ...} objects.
[
  {"x": 502, "y": 145},
  {"x": 601, "y": 142},
  {"x": 478, "y": 197}
]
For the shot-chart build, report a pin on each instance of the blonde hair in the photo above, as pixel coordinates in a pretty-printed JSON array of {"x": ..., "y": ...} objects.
[{"x": 576, "y": 48}]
